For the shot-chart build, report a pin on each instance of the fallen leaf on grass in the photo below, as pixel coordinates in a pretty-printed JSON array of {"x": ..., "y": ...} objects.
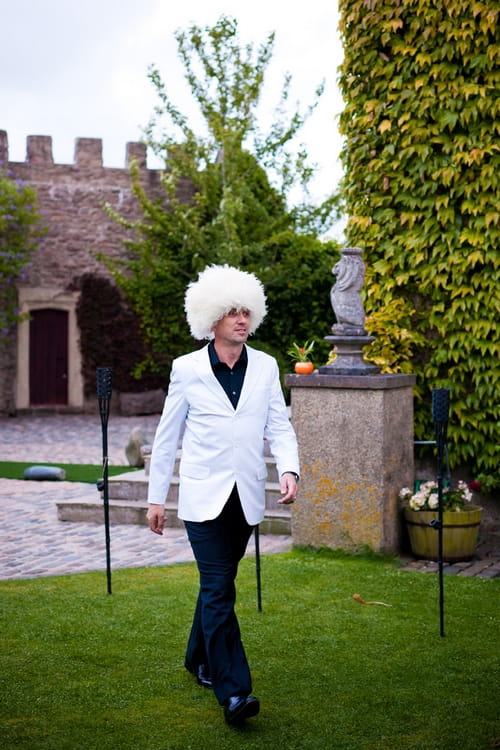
[{"x": 360, "y": 599}]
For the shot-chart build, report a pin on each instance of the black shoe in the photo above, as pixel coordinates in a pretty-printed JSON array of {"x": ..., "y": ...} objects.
[
  {"x": 203, "y": 678},
  {"x": 201, "y": 674},
  {"x": 238, "y": 708}
]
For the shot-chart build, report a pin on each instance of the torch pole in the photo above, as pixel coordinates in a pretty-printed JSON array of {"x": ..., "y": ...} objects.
[
  {"x": 440, "y": 409},
  {"x": 103, "y": 378},
  {"x": 257, "y": 568}
]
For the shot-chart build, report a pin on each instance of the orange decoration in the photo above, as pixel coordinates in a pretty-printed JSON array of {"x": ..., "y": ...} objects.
[{"x": 304, "y": 368}]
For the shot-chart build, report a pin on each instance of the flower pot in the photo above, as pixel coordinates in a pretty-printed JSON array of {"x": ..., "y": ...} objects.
[
  {"x": 304, "y": 368},
  {"x": 460, "y": 533}
]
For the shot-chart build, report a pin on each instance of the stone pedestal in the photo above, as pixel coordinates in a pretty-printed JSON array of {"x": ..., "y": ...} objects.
[
  {"x": 350, "y": 358},
  {"x": 355, "y": 435}
]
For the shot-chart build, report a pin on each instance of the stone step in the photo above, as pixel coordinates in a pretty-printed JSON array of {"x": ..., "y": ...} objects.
[
  {"x": 272, "y": 474},
  {"x": 127, "y": 495},
  {"x": 77, "y": 511},
  {"x": 133, "y": 487}
]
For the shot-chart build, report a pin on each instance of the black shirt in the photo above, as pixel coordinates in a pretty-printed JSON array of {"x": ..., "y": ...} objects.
[{"x": 230, "y": 379}]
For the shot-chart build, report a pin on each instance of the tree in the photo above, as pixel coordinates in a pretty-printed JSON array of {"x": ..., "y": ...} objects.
[
  {"x": 117, "y": 343},
  {"x": 422, "y": 178},
  {"x": 20, "y": 232},
  {"x": 224, "y": 200}
]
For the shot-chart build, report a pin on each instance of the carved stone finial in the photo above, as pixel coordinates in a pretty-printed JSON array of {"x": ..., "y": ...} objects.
[
  {"x": 345, "y": 295},
  {"x": 349, "y": 331}
]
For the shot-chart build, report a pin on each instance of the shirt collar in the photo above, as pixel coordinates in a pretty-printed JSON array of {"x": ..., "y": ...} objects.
[{"x": 214, "y": 358}]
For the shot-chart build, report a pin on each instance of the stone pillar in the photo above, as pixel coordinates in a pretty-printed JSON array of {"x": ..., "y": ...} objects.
[
  {"x": 88, "y": 152},
  {"x": 4, "y": 149},
  {"x": 138, "y": 152},
  {"x": 39, "y": 150},
  {"x": 355, "y": 437}
]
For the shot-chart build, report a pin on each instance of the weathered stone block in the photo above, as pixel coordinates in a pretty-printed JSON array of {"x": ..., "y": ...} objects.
[
  {"x": 355, "y": 437},
  {"x": 148, "y": 402},
  {"x": 133, "y": 449}
]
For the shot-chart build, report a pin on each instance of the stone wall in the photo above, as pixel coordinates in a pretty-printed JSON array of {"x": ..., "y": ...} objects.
[{"x": 70, "y": 199}]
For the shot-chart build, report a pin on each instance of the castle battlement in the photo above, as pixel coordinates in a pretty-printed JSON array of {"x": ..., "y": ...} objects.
[
  {"x": 71, "y": 199},
  {"x": 88, "y": 153}
]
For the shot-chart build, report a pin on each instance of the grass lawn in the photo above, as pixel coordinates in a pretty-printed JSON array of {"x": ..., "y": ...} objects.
[
  {"x": 83, "y": 670},
  {"x": 74, "y": 472}
]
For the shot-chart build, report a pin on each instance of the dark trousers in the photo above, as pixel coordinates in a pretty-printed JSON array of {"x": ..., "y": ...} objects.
[{"x": 215, "y": 639}]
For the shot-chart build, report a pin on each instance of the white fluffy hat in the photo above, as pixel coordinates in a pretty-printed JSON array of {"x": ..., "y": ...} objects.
[{"x": 218, "y": 290}]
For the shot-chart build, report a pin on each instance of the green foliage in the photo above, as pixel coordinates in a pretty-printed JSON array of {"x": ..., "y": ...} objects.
[
  {"x": 395, "y": 339},
  {"x": 301, "y": 353},
  {"x": 421, "y": 127},
  {"x": 224, "y": 201},
  {"x": 82, "y": 669},
  {"x": 20, "y": 231},
  {"x": 110, "y": 336}
]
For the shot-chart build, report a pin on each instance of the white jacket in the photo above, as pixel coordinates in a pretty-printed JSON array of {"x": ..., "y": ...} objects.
[{"x": 221, "y": 445}]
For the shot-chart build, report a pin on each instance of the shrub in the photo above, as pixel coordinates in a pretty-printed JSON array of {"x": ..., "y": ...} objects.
[{"x": 421, "y": 188}]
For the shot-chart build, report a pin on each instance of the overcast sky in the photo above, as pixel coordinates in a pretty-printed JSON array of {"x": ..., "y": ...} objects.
[{"x": 73, "y": 69}]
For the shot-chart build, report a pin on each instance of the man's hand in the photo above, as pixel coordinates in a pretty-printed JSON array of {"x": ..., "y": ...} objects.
[
  {"x": 156, "y": 518},
  {"x": 288, "y": 487}
]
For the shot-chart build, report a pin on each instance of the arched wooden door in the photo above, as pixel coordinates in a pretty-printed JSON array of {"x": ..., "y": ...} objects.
[{"x": 49, "y": 357}]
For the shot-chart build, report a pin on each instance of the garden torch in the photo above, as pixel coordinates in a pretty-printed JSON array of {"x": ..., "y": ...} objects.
[
  {"x": 103, "y": 377},
  {"x": 440, "y": 409},
  {"x": 257, "y": 568}
]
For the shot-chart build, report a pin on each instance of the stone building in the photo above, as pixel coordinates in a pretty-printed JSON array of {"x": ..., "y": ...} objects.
[{"x": 41, "y": 366}]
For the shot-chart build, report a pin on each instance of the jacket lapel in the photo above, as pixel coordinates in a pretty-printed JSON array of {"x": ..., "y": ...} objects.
[
  {"x": 204, "y": 371},
  {"x": 252, "y": 376}
]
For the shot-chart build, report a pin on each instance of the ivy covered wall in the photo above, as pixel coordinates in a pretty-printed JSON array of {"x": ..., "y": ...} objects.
[{"x": 422, "y": 175}]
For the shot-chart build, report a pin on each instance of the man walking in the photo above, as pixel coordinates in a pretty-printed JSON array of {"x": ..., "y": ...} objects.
[{"x": 227, "y": 398}]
